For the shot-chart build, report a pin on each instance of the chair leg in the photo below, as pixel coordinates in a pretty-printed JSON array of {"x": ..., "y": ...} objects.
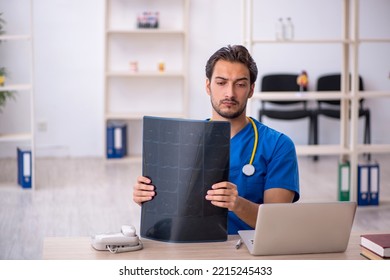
[
  {"x": 367, "y": 133},
  {"x": 313, "y": 133},
  {"x": 315, "y": 129}
]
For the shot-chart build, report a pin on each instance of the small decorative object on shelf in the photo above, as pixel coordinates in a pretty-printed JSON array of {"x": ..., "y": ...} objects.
[
  {"x": 284, "y": 30},
  {"x": 279, "y": 29},
  {"x": 161, "y": 66},
  {"x": 303, "y": 81},
  {"x": 148, "y": 20},
  {"x": 133, "y": 66},
  {"x": 3, "y": 73},
  {"x": 289, "y": 29}
]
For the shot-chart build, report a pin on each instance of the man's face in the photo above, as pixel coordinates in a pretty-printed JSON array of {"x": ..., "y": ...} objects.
[{"x": 229, "y": 89}]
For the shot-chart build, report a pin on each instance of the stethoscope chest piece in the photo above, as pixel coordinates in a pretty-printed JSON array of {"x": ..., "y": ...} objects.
[{"x": 248, "y": 169}]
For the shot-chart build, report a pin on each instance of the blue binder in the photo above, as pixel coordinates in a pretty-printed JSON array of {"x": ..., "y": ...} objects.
[
  {"x": 368, "y": 184},
  {"x": 116, "y": 139},
  {"x": 24, "y": 167},
  {"x": 374, "y": 184}
]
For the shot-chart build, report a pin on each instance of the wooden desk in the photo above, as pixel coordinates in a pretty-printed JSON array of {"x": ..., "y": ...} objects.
[{"x": 79, "y": 248}]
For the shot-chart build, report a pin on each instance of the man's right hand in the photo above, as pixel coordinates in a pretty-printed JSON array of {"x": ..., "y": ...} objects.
[{"x": 143, "y": 190}]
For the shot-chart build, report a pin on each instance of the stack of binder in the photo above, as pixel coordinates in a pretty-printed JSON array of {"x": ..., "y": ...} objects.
[
  {"x": 24, "y": 167},
  {"x": 368, "y": 183},
  {"x": 116, "y": 139}
]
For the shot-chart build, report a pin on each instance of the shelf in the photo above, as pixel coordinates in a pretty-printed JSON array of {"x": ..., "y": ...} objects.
[
  {"x": 19, "y": 87},
  {"x": 146, "y": 31},
  {"x": 307, "y": 95},
  {"x": 321, "y": 150},
  {"x": 151, "y": 74},
  {"x": 373, "y": 148},
  {"x": 139, "y": 116},
  {"x": 127, "y": 159},
  {"x": 320, "y": 41},
  {"x": 16, "y": 137},
  {"x": 374, "y": 40},
  {"x": 14, "y": 37},
  {"x": 373, "y": 94},
  {"x": 300, "y": 41}
]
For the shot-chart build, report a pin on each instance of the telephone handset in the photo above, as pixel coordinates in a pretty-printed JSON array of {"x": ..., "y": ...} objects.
[{"x": 124, "y": 241}]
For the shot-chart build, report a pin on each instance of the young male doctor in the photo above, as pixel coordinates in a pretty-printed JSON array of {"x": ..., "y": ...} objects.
[{"x": 263, "y": 161}]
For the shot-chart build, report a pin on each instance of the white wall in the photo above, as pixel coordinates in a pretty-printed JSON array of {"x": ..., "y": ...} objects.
[
  {"x": 69, "y": 64},
  {"x": 213, "y": 24},
  {"x": 68, "y": 45}
]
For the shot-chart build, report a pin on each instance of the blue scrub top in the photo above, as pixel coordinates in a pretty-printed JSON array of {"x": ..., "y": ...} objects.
[{"x": 275, "y": 162}]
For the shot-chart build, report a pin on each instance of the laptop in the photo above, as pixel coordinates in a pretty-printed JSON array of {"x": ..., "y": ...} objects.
[{"x": 300, "y": 228}]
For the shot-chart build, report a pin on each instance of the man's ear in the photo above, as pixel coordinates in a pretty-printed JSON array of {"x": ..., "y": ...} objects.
[
  {"x": 208, "y": 90},
  {"x": 252, "y": 90}
]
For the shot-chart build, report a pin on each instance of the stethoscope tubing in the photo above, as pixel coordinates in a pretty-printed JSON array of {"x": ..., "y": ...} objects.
[{"x": 256, "y": 141}]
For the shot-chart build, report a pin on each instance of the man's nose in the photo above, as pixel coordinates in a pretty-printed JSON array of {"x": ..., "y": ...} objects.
[{"x": 229, "y": 91}]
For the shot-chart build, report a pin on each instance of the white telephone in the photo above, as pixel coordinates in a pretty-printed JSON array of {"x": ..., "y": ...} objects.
[{"x": 124, "y": 241}]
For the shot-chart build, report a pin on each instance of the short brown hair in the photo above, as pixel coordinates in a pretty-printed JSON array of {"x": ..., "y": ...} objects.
[{"x": 235, "y": 53}]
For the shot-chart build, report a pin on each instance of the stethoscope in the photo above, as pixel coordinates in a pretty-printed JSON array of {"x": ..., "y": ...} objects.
[{"x": 248, "y": 169}]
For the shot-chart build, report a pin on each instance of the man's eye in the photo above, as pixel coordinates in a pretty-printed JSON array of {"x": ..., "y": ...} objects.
[
  {"x": 221, "y": 83},
  {"x": 241, "y": 85}
]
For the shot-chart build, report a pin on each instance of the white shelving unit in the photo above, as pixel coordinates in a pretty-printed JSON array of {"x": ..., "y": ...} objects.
[
  {"x": 130, "y": 95},
  {"x": 251, "y": 41},
  {"x": 357, "y": 149},
  {"x": 350, "y": 43},
  {"x": 20, "y": 83}
]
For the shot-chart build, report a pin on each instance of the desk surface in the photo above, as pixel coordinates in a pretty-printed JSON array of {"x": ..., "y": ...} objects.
[{"x": 79, "y": 248}]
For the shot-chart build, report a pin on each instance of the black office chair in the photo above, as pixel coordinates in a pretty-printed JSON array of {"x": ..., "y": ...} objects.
[
  {"x": 287, "y": 110},
  {"x": 331, "y": 108}
]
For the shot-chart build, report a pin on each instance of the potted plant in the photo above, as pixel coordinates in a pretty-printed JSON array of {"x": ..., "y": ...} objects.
[
  {"x": 3, "y": 73},
  {"x": 2, "y": 23},
  {"x": 4, "y": 94}
]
